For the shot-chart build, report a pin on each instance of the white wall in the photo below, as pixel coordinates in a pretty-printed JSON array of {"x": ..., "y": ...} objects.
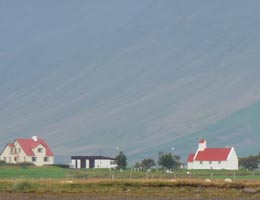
[
  {"x": 87, "y": 164},
  {"x": 73, "y": 163},
  {"x": 99, "y": 163},
  {"x": 102, "y": 163},
  {"x": 210, "y": 165},
  {"x": 41, "y": 155},
  {"x": 190, "y": 165},
  {"x": 78, "y": 164}
]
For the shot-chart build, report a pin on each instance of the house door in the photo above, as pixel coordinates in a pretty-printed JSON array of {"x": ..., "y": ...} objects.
[
  {"x": 91, "y": 163},
  {"x": 83, "y": 164}
]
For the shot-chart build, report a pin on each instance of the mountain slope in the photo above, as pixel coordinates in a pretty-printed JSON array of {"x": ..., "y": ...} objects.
[
  {"x": 142, "y": 75},
  {"x": 239, "y": 130}
]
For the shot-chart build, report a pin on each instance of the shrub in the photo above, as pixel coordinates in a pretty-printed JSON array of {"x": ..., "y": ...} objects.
[
  {"x": 24, "y": 186},
  {"x": 25, "y": 164},
  {"x": 65, "y": 166},
  {"x": 2, "y": 163}
]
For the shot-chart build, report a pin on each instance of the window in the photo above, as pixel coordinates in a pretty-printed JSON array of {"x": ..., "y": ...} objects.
[
  {"x": 112, "y": 162},
  {"x": 40, "y": 150},
  {"x": 16, "y": 150},
  {"x": 34, "y": 159},
  {"x": 219, "y": 162},
  {"x": 201, "y": 162},
  {"x": 12, "y": 150},
  {"x": 210, "y": 162},
  {"x": 46, "y": 159}
]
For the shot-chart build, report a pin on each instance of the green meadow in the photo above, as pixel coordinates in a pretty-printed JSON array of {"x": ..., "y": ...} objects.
[{"x": 56, "y": 172}]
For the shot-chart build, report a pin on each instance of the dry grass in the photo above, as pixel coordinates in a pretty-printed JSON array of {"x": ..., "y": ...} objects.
[{"x": 143, "y": 188}]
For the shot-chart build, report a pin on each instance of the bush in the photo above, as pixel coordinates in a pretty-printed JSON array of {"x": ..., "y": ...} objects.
[
  {"x": 2, "y": 163},
  {"x": 24, "y": 164},
  {"x": 24, "y": 186},
  {"x": 64, "y": 166}
]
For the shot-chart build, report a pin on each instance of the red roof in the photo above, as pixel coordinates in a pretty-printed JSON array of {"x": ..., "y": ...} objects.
[
  {"x": 202, "y": 141},
  {"x": 191, "y": 157},
  {"x": 28, "y": 144},
  {"x": 213, "y": 154},
  {"x": 11, "y": 145}
]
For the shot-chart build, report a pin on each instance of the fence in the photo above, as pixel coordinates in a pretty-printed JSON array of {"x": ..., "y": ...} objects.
[{"x": 179, "y": 174}]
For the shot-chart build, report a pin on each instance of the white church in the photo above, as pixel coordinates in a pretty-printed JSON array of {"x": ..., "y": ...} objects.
[{"x": 213, "y": 158}]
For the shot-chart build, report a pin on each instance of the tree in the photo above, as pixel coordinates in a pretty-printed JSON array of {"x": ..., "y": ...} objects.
[
  {"x": 250, "y": 162},
  {"x": 121, "y": 160},
  {"x": 168, "y": 161},
  {"x": 137, "y": 165},
  {"x": 147, "y": 163}
]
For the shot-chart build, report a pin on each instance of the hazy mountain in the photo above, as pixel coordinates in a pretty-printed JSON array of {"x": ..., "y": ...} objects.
[{"x": 144, "y": 75}]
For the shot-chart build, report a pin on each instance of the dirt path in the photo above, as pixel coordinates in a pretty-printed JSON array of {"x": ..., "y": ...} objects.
[{"x": 33, "y": 196}]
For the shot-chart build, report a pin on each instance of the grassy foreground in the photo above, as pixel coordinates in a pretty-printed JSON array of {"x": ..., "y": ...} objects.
[
  {"x": 136, "y": 188},
  {"x": 62, "y": 182}
]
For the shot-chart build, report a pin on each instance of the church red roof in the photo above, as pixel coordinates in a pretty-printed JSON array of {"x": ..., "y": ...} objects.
[
  {"x": 213, "y": 154},
  {"x": 28, "y": 144},
  {"x": 191, "y": 157},
  {"x": 202, "y": 141}
]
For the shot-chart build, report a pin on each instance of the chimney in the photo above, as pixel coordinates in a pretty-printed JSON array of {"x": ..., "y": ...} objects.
[
  {"x": 34, "y": 138},
  {"x": 202, "y": 145}
]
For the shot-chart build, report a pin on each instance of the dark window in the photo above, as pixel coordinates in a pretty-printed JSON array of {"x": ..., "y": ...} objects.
[{"x": 40, "y": 150}]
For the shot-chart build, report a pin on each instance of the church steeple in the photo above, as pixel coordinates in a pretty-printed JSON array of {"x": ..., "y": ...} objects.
[{"x": 202, "y": 145}]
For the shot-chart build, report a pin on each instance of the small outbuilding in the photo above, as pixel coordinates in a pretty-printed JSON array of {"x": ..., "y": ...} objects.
[{"x": 93, "y": 162}]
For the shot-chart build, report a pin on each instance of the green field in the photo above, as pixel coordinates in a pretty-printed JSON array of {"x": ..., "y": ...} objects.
[{"x": 54, "y": 172}]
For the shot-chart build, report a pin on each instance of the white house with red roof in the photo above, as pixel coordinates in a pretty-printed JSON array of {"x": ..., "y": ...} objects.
[
  {"x": 213, "y": 158},
  {"x": 32, "y": 150}
]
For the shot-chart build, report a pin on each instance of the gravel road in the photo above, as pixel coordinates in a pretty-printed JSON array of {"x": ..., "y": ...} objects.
[{"x": 32, "y": 196}]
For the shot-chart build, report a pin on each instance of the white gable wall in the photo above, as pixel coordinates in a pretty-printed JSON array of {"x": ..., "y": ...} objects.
[
  {"x": 232, "y": 160},
  {"x": 14, "y": 154},
  {"x": 40, "y": 155},
  {"x": 7, "y": 156},
  {"x": 22, "y": 157}
]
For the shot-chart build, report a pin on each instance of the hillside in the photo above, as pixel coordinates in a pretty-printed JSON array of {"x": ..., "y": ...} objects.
[
  {"x": 147, "y": 75},
  {"x": 239, "y": 130}
]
